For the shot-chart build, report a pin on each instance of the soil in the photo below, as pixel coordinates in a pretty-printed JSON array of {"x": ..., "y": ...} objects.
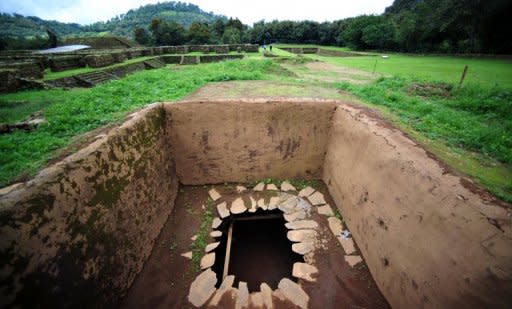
[
  {"x": 166, "y": 276},
  {"x": 265, "y": 89},
  {"x": 326, "y": 72}
]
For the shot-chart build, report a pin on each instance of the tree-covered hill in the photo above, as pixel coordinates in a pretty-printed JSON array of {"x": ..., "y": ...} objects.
[
  {"x": 15, "y": 25},
  {"x": 181, "y": 13}
]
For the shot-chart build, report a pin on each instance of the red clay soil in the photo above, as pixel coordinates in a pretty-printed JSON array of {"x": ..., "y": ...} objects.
[{"x": 166, "y": 276}]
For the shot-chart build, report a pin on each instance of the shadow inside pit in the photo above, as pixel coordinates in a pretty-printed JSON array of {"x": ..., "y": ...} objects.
[{"x": 260, "y": 250}]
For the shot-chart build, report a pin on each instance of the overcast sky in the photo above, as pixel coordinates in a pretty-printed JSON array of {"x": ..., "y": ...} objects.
[{"x": 89, "y": 11}]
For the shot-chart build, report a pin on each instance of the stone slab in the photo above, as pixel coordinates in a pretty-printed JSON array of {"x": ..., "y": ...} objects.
[
  {"x": 325, "y": 210},
  {"x": 187, "y": 255},
  {"x": 266, "y": 294},
  {"x": 294, "y": 293},
  {"x": 211, "y": 247},
  {"x": 301, "y": 224},
  {"x": 301, "y": 235},
  {"x": 304, "y": 271},
  {"x": 202, "y": 288},
  {"x": 353, "y": 260},
  {"x": 272, "y": 187},
  {"x": 262, "y": 205},
  {"x": 222, "y": 209},
  {"x": 335, "y": 226},
  {"x": 303, "y": 247},
  {"x": 242, "y": 300},
  {"x": 208, "y": 260},
  {"x": 274, "y": 201},
  {"x": 286, "y": 186},
  {"x": 238, "y": 206},
  {"x": 307, "y": 191},
  {"x": 214, "y": 194},
  {"x": 240, "y": 189},
  {"x": 216, "y": 234},
  {"x": 347, "y": 244},
  {"x": 294, "y": 216},
  {"x": 216, "y": 222},
  {"x": 317, "y": 198},
  {"x": 259, "y": 187}
]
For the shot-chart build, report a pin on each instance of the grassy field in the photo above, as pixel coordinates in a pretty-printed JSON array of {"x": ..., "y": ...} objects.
[{"x": 489, "y": 73}]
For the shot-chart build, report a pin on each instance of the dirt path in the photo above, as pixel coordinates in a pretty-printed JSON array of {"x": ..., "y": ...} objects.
[
  {"x": 266, "y": 89},
  {"x": 318, "y": 71}
]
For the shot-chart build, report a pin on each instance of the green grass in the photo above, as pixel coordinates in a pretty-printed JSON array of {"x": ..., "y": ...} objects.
[
  {"x": 488, "y": 73},
  {"x": 72, "y": 112},
  {"x": 14, "y": 111},
  {"x": 474, "y": 122},
  {"x": 203, "y": 234}
]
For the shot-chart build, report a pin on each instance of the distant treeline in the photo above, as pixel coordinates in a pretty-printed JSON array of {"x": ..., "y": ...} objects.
[{"x": 441, "y": 26}]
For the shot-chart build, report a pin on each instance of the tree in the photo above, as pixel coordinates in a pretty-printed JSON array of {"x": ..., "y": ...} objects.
[
  {"x": 380, "y": 35},
  {"x": 235, "y": 23},
  {"x": 141, "y": 36},
  {"x": 167, "y": 33},
  {"x": 217, "y": 28},
  {"x": 199, "y": 33},
  {"x": 232, "y": 36}
]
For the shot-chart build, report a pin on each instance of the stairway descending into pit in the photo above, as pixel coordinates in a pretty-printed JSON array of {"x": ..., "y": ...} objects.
[
  {"x": 94, "y": 78},
  {"x": 154, "y": 63}
]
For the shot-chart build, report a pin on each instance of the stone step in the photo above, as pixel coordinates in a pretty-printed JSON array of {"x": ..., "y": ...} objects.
[
  {"x": 154, "y": 63},
  {"x": 95, "y": 78}
]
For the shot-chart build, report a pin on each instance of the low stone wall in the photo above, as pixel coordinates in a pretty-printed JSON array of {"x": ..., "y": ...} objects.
[
  {"x": 199, "y": 48},
  {"x": 79, "y": 232},
  {"x": 189, "y": 60},
  {"x": 8, "y": 80},
  {"x": 123, "y": 70},
  {"x": 175, "y": 49},
  {"x": 119, "y": 57},
  {"x": 430, "y": 238},
  {"x": 25, "y": 69},
  {"x": 175, "y": 59},
  {"x": 248, "y": 48},
  {"x": 248, "y": 140},
  {"x": 58, "y": 64},
  {"x": 99, "y": 61},
  {"x": 218, "y": 58},
  {"x": 147, "y": 52},
  {"x": 171, "y": 59},
  {"x": 309, "y": 50},
  {"x": 133, "y": 53},
  {"x": 220, "y": 49}
]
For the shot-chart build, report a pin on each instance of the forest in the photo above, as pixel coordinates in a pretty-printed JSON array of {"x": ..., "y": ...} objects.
[{"x": 417, "y": 26}]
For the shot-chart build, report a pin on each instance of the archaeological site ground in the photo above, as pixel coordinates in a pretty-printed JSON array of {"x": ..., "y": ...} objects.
[{"x": 218, "y": 176}]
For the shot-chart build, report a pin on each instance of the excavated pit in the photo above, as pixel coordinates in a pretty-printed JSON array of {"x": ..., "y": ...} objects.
[
  {"x": 260, "y": 251},
  {"x": 93, "y": 228}
]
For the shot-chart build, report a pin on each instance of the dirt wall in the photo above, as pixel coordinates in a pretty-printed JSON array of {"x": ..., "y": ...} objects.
[
  {"x": 79, "y": 232},
  {"x": 431, "y": 239},
  {"x": 248, "y": 140}
]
